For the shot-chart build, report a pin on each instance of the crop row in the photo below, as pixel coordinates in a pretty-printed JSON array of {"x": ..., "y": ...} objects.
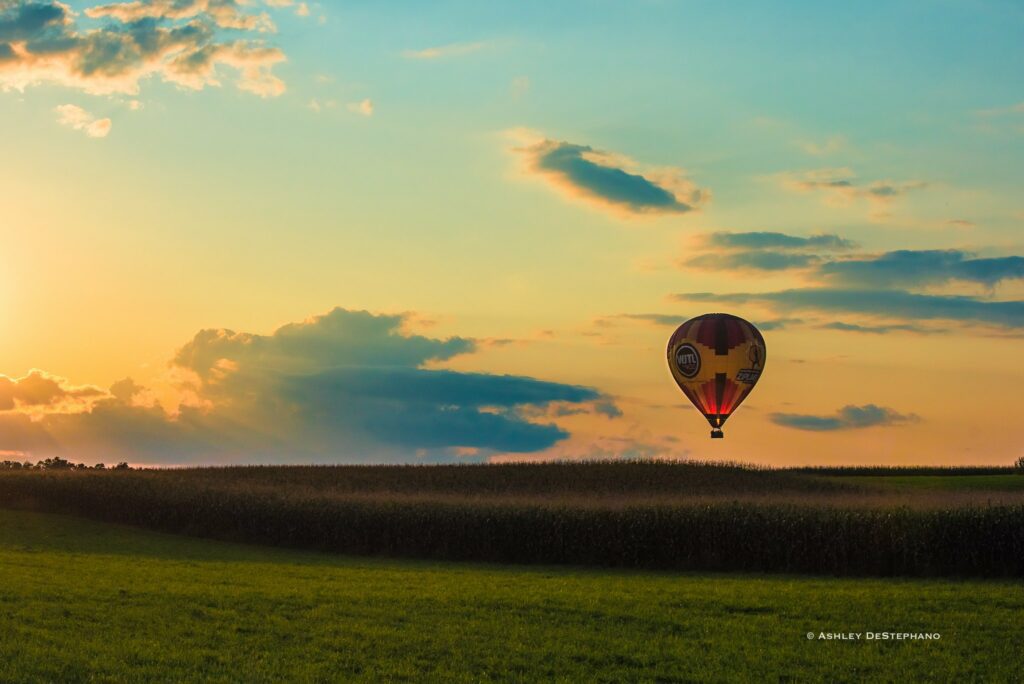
[{"x": 968, "y": 541}]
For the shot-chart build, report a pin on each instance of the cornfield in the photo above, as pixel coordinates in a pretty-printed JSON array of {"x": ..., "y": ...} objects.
[{"x": 630, "y": 515}]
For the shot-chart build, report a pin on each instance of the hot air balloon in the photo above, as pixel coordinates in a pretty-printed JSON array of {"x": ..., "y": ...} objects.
[{"x": 716, "y": 359}]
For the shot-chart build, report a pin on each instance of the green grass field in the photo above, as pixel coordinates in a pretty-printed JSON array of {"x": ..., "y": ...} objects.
[{"x": 86, "y": 601}]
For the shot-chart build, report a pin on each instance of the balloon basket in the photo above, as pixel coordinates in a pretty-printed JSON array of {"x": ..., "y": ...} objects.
[{"x": 717, "y": 433}]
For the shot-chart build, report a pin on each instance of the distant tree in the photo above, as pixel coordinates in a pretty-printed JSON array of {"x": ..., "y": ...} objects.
[
  {"x": 58, "y": 463},
  {"x": 1019, "y": 465}
]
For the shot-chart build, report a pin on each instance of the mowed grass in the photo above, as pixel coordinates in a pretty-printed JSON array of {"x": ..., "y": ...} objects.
[{"x": 87, "y": 601}]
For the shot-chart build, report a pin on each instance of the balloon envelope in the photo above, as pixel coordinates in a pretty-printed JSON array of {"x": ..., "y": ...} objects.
[{"x": 716, "y": 359}]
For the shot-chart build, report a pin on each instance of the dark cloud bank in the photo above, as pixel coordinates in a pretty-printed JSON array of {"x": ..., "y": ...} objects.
[
  {"x": 892, "y": 286},
  {"x": 347, "y": 386}
]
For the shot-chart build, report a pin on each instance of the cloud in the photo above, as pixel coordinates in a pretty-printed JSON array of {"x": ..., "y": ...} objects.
[
  {"x": 886, "y": 303},
  {"x": 181, "y": 41},
  {"x": 340, "y": 338},
  {"x": 778, "y": 323},
  {"x": 779, "y": 241},
  {"x": 605, "y": 408},
  {"x": 847, "y": 418},
  {"x": 442, "y": 51},
  {"x": 77, "y": 118},
  {"x": 364, "y": 107},
  {"x": 223, "y": 13},
  {"x": 754, "y": 260},
  {"x": 655, "y": 318},
  {"x": 675, "y": 320},
  {"x": 341, "y": 387},
  {"x": 519, "y": 87},
  {"x": 875, "y": 329},
  {"x": 921, "y": 267},
  {"x": 610, "y": 181},
  {"x": 898, "y": 268},
  {"x": 301, "y": 8},
  {"x": 872, "y": 285},
  {"x": 1002, "y": 111},
  {"x": 320, "y": 105},
  {"x": 39, "y": 391},
  {"x": 762, "y": 251},
  {"x": 841, "y": 187},
  {"x": 830, "y": 145}
]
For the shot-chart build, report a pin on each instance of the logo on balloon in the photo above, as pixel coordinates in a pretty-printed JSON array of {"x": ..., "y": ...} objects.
[
  {"x": 688, "y": 360},
  {"x": 756, "y": 355},
  {"x": 748, "y": 376}
]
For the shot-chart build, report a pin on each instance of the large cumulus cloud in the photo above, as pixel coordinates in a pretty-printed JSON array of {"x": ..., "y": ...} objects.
[
  {"x": 347, "y": 386},
  {"x": 42, "y": 392}
]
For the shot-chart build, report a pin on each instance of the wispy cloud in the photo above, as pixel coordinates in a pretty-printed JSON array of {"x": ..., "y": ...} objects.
[
  {"x": 655, "y": 318},
  {"x": 841, "y": 187},
  {"x": 77, "y": 118},
  {"x": 778, "y": 323},
  {"x": 1017, "y": 108},
  {"x": 898, "y": 268},
  {"x": 519, "y": 87},
  {"x": 674, "y": 320},
  {"x": 877, "y": 329},
  {"x": 443, "y": 51},
  {"x": 916, "y": 268},
  {"x": 363, "y": 107},
  {"x": 774, "y": 240},
  {"x": 183, "y": 42},
  {"x": 751, "y": 259},
  {"x": 846, "y": 418},
  {"x": 897, "y": 304},
  {"x": 606, "y": 180},
  {"x": 317, "y": 105},
  {"x": 224, "y": 13},
  {"x": 830, "y": 145},
  {"x": 301, "y": 8},
  {"x": 761, "y": 251}
]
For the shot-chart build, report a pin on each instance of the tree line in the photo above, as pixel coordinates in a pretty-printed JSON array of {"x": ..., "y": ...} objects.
[{"x": 58, "y": 463}]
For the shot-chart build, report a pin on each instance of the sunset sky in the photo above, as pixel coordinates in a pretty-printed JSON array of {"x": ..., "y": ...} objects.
[{"x": 280, "y": 231}]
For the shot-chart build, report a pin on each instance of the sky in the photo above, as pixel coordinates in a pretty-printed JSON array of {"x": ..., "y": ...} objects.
[{"x": 357, "y": 232}]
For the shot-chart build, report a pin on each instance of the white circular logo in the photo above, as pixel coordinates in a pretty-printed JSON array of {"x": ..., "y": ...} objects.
[{"x": 688, "y": 360}]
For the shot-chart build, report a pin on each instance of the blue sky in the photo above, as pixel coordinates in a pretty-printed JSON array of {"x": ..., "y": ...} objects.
[{"x": 551, "y": 181}]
